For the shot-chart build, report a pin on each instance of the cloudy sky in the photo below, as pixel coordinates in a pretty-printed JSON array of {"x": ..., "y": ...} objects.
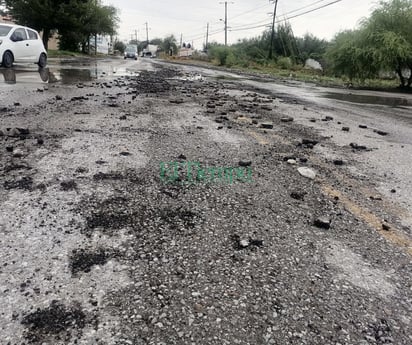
[{"x": 246, "y": 18}]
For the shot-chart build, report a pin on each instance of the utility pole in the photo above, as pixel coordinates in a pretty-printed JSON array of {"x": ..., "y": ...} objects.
[
  {"x": 137, "y": 45},
  {"x": 225, "y": 19},
  {"x": 272, "y": 36},
  {"x": 207, "y": 37},
  {"x": 147, "y": 33},
  {"x": 181, "y": 40}
]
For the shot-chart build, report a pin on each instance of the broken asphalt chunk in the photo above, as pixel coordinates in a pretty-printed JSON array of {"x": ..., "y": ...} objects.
[
  {"x": 386, "y": 226},
  {"x": 245, "y": 163},
  {"x": 298, "y": 195},
  {"x": 266, "y": 125},
  {"x": 307, "y": 142},
  {"x": 286, "y": 119},
  {"x": 383, "y": 133},
  {"x": 322, "y": 223},
  {"x": 358, "y": 147}
]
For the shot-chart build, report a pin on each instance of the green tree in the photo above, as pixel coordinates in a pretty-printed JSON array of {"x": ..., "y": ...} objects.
[
  {"x": 76, "y": 20},
  {"x": 168, "y": 44},
  {"x": 389, "y": 31},
  {"x": 120, "y": 46},
  {"x": 38, "y": 14},
  {"x": 382, "y": 43},
  {"x": 350, "y": 55},
  {"x": 312, "y": 47}
]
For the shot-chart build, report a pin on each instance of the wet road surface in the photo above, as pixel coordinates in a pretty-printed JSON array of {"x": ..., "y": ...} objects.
[{"x": 99, "y": 246}]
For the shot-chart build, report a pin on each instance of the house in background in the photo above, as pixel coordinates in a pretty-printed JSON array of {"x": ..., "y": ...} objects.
[
  {"x": 104, "y": 44},
  {"x": 6, "y": 19}
]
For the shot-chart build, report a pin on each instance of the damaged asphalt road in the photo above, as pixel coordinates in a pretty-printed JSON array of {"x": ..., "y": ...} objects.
[{"x": 97, "y": 247}]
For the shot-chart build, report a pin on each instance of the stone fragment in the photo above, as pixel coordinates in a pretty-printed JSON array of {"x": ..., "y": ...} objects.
[
  {"x": 307, "y": 172},
  {"x": 243, "y": 163},
  {"x": 266, "y": 125},
  {"x": 287, "y": 119},
  {"x": 322, "y": 223}
]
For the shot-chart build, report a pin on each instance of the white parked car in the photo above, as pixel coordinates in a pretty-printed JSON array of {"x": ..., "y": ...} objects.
[{"x": 21, "y": 44}]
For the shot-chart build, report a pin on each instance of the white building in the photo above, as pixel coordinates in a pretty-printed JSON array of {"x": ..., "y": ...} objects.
[{"x": 103, "y": 44}]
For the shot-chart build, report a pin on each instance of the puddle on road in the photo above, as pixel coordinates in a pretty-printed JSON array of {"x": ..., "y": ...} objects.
[
  {"x": 80, "y": 72},
  {"x": 369, "y": 99},
  {"x": 17, "y": 75}
]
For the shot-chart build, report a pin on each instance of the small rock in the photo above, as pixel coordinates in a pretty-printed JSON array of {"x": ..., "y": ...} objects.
[
  {"x": 59, "y": 98},
  {"x": 287, "y": 119},
  {"x": 182, "y": 156},
  {"x": 322, "y": 223},
  {"x": 338, "y": 162},
  {"x": 298, "y": 195},
  {"x": 124, "y": 153},
  {"x": 244, "y": 243},
  {"x": 245, "y": 163},
  {"x": 363, "y": 126},
  {"x": 291, "y": 161},
  {"x": 266, "y": 125},
  {"x": 307, "y": 172},
  {"x": 393, "y": 191},
  {"x": 9, "y": 148},
  {"x": 383, "y": 133},
  {"x": 385, "y": 227},
  {"x": 123, "y": 117},
  {"x": 307, "y": 142},
  {"x": 68, "y": 185},
  {"x": 312, "y": 120},
  {"x": 40, "y": 141},
  {"x": 345, "y": 129},
  {"x": 18, "y": 153},
  {"x": 358, "y": 147}
]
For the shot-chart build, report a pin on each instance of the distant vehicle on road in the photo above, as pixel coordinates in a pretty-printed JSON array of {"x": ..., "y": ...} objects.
[
  {"x": 130, "y": 52},
  {"x": 150, "y": 51},
  {"x": 21, "y": 44}
]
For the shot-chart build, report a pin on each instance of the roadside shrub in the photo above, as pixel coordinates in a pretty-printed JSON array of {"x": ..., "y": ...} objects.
[
  {"x": 231, "y": 60},
  {"x": 219, "y": 54},
  {"x": 284, "y": 63}
]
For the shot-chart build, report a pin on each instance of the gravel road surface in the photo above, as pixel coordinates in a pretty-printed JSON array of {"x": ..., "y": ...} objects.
[{"x": 154, "y": 203}]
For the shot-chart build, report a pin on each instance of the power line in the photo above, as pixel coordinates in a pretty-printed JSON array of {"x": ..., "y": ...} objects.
[{"x": 287, "y": 18}]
